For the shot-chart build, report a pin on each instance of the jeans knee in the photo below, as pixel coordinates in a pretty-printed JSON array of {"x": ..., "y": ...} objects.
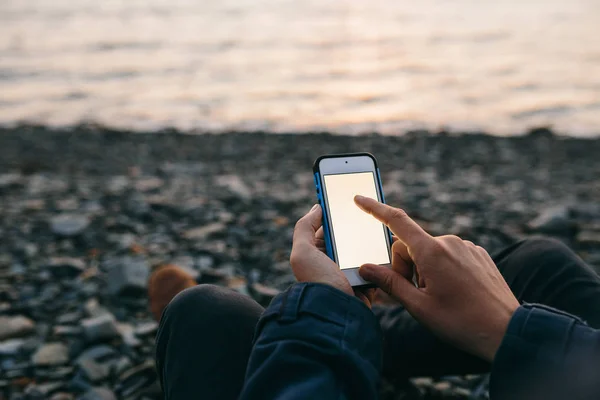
[
  {"x": 194, "y": 300},
  {"x": 545, "y": 255},
  {"x": 207, "y": 304},
  {"x": 537, "y": 246}
]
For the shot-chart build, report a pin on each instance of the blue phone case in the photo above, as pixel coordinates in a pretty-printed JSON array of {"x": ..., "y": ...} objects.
[{"x": 317, "y": 176}]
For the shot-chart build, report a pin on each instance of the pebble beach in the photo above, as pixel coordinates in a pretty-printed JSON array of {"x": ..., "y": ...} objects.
[{"x": 86, "y": 214}]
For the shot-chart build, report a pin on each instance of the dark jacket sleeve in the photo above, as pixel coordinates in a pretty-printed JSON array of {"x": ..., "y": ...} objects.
[
  {"x": 315, "y": 342},
  {"x": 546, "y": 354}
]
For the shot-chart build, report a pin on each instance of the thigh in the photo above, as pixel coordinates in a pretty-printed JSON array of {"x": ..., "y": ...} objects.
[
  {"x": 411, "y": 350},
  {"x": 545, "y": 271},
  {"x": 204, "y": 342}
]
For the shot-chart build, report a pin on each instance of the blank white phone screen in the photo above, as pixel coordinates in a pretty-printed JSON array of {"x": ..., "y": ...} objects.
[{"x": 359, "y": 238}]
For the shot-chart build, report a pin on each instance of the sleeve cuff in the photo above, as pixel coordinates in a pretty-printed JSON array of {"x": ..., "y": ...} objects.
[
  {"x": 535, "y": 339},
  {"x": 361, "y": 330}
]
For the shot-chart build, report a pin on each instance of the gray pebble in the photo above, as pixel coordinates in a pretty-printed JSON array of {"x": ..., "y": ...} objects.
[
  {"x": 69, "y": 318},
  {"x": 589, "y": 239},
  {"x": 101, "y": 328},
  {"x": 134, "y": 380},
  {"x": 54, "y": 373},
  {"x": 61, "y": 396},
  {"x": 128, "y": 334},
  {"x": 203, "y": 232},
  {"x": 69, "y": 224},
  {"x": 10, "y": 181},
  {"x": 93, "y": 308},
  {"x": 117, "y": 185},
  {"x": 51, "y": 354},
  {"x": 43, "y": 390},
  {"x": 66, "y": 330},
  {"x": 148, "y": 184},
  {"x": 98, "y": 393},
  {"x": 97, "y": 361},
  {"x": 11, "y": 347},
  {"x": 146, "y": 329},
  {"x": 93, "y": 370},
  {"x": 553, "y": 220},
  {"x": 17, "y": 326},
  {"x": 263, "y": 294},
  {"x": 66, "y": 267},
  {"x": 128, "y": 276}
]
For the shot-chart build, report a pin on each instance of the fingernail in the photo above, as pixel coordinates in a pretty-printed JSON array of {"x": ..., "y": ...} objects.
[
  {"x": 366, "y": 272},
  {"x": 314, "y": 207},
  {"x": 359, "y": 198}
]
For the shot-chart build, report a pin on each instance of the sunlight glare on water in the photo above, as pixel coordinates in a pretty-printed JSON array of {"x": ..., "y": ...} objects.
[{"x": 347, "y": 66}]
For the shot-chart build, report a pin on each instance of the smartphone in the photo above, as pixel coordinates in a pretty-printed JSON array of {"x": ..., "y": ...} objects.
[{"x": 352, "y": 237}]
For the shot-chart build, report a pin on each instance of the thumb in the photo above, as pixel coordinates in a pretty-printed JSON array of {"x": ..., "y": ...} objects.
[
  {"x": 392, "y": 283},
  {"x": 307, "y": 226}
]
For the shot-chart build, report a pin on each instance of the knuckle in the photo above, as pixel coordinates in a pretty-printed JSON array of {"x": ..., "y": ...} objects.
[
  {"x": 397, "y": 214},
  {"x": 453, "y": 239},
  {"x": 296, "y": 257},
  {"x": 482, "y": 251},
  {"x": 437, "y": 248},
  {"x": 387, "y": 284},
  {"x": 470, "y": 245},
  {"x": 299, "y": 225}
]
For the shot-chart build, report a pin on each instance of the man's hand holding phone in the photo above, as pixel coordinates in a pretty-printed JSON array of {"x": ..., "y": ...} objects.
[
  {"x": 309, "y": 261},
  {"x": 462, "y": 297}
]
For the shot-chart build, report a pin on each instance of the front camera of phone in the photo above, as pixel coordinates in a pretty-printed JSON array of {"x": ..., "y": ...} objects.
[{"x": 346, "y": 162}]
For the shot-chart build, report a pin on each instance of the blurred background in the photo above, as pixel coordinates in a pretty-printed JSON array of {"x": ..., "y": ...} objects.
[
  {"x": 345, "y": 66},
  {"x": 140, "y": 134}
]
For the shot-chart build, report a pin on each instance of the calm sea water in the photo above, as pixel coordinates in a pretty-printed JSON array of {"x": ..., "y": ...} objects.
[{"x": 347, "y": 66}]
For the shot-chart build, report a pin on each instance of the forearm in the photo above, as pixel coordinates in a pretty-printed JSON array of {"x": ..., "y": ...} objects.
[{"x": 314, "y": 341}]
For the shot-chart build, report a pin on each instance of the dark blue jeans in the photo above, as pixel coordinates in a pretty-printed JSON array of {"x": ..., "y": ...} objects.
[{"x": 205, "y": 335}]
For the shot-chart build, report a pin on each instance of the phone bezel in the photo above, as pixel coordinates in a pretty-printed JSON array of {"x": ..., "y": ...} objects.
[{"x": 346, "y": 164}]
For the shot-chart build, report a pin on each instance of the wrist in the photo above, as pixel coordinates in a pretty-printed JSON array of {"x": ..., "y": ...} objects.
[
  {"x": 499, "y": 329},
  {"x": 341, "y": 286},
  {"x": 336, "y": 280}
]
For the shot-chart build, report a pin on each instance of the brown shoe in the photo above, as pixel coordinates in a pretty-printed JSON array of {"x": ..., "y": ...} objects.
[{"x": 164, "y": 284}]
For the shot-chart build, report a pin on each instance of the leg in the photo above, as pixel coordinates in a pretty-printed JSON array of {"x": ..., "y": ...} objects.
[
  {"x": 204, "y": 342},
  {"x": 546, "y": 271},
  {"x": 541, "y": 271}
]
